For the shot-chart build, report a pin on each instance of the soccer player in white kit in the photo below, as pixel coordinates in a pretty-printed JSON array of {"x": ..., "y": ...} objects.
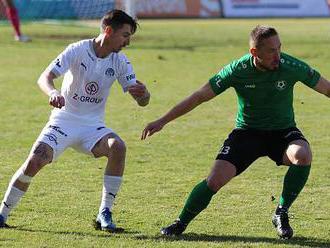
[{"x": 90, "y": 67}]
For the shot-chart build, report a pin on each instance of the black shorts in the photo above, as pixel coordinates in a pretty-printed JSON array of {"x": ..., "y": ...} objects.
[{"x": 244, "y": 146}]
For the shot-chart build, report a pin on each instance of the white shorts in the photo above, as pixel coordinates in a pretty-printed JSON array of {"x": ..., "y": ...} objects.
[{"x": 63, "y": 134}]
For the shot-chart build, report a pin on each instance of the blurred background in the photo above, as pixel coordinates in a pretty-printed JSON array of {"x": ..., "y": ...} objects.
[{"x": 86, "y": 9}]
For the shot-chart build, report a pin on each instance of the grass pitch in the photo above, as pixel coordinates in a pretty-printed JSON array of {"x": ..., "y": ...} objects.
[{"x": 174, "y": 58}]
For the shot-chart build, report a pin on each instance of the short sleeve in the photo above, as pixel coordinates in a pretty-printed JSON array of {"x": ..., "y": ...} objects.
[
  {"x": 126, "y": 76},
  {"x": 62, "y": 63},
  {"x": 222, "y": 80},
  {"x": 309, "y": 76}
]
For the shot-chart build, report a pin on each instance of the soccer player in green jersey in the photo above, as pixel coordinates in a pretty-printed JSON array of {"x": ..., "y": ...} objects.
[{"x": 265, "y": 125}]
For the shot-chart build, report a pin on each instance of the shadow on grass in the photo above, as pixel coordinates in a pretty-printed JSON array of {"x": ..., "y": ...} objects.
[
  {"x": 190, "y": 237},
  {"x": 102, "y": 234},
  {"x": 194, "y": 237}
]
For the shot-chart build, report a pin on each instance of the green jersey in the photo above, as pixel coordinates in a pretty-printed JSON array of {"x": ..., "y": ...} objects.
[{"x": 265, "y": 98}]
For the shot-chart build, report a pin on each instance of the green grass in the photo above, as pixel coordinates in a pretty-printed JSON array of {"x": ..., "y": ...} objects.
[{"x": 174, "y": 58}]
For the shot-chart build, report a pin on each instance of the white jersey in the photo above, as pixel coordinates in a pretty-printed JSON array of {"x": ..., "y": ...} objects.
[{"x": 87, "y": 81}]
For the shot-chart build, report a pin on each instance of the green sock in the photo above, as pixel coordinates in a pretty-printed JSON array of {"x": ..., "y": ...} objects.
[
  {"x": 197, "y": 201},
  {"x": 294, "y": 181}
]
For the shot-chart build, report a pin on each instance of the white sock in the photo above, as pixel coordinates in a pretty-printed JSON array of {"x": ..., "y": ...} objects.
[
  {"x": 111, "y": 185},
  {"x": 12, "y": 197}
]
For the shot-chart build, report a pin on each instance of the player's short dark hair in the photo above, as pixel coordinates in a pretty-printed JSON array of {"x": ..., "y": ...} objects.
[
  {"x": 260, "y": 33},
  {"x": 116, "y": 19}
]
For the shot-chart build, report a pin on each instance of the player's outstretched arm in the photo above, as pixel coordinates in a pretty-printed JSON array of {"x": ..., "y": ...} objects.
[
  {"x": 46, "y": 84},
  {"x": 323, "y": 86},
  {"x": 202, "y": 95},
  {"x": 140, "y": 93}
]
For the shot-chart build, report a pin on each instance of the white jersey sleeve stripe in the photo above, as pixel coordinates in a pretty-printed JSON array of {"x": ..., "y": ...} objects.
[
  {"x": 126, "y": 76},
  {"x": 62, "y": 63}
]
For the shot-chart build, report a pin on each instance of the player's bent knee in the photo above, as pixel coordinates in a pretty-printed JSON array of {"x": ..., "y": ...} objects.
[
  {"x": 109, "y": 146},
  {"x": 117, "y": 146},
  {"x": 302, "y": 156},
  {"x": 298, "y": 153},
  {"x": 37, "y": 160},
  {"x": 303, "y": 161},
  {"x": 42, "y": 154}
]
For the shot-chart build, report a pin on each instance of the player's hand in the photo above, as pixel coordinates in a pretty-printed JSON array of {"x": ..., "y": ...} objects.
[
  {"x": 56, "y": 99},
  {"x": 152, "y": 128},
  {"x": 138, "y": 90}
]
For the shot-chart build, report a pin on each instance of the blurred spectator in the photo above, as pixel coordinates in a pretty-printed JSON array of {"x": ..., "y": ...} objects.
[{"x": 12, "y": 15}]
